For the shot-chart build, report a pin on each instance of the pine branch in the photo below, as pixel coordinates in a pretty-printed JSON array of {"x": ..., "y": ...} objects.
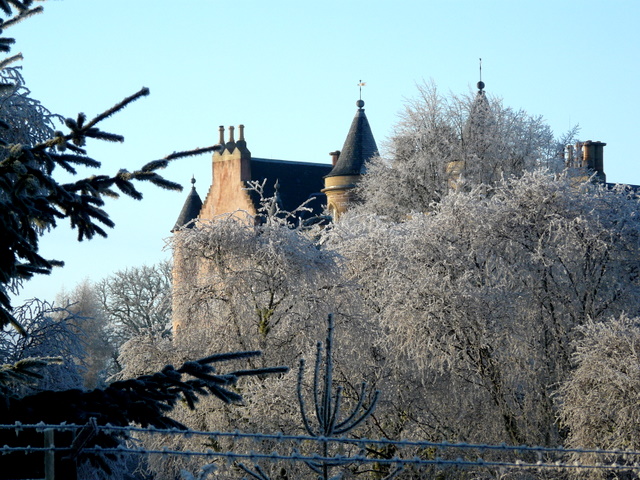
[
  {"x": 223, "y": 357},
  {"x": 260, "y": 371},
  {"x": 144, "y": 400},
  {"x": 75, "y": 159},
  {"x": 5, "y": 44},
  {"x": 36, "y": 200},
  {"x": 23, "y": 372},
  {"x": 23, "y": 15},
  {"x": 155, "y": 165},
  {"x": 191, "y": 153},
  {"x": 117, "y": 107}
]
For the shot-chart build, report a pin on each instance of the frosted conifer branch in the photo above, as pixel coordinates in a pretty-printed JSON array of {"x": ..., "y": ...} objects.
[
  {"x": 9, "y": 60},
  {"x": 24, "y": 14},
  {"x": 144, "y": 91}
]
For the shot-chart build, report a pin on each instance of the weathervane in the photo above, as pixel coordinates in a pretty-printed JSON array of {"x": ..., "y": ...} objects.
[{"x": 361, "y": 84}]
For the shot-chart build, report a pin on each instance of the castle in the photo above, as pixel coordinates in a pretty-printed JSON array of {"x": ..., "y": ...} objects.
[
  {"x": 292, "y": 183},
  {"x": 328, "y": 186},
  {"x": 331, "y": 186}
]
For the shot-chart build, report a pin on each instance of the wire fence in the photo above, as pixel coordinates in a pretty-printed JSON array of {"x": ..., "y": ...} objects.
[{"x": 252, "y": 455}]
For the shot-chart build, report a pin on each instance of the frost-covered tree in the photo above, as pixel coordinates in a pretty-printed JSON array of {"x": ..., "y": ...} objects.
[
  {"x": 259, "y": 283},
  {"x": 52, "y": 333},
  {"x": 27, "y": 120},
  {"x": 443, "y": 142},
  {"x": 136, "y": 300},
  {"x": 480, "y": 299},
  {"x": 325, "y": 415},
  {"x": 89, "y": 319},
  {"x": 599, "y": 399},
  {"x": 256, "y": 283},
  {"x": 128, "y": 303}
]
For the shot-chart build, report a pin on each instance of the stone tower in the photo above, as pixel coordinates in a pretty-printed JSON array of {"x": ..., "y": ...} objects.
[
  {"x": 231, "y": 170},
  {"x": 585, "y": 160},
  {"x": 186, "y": 219},
  {"x": 349, "y": 164}
]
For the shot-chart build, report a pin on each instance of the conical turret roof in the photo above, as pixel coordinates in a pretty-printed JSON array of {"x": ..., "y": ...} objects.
[
  {"x": 480, "y": 115},
  {"x": 358, "y": 148},
  {"x": 190, "y": 210}
]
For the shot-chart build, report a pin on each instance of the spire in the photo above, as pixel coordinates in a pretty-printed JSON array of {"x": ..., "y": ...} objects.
[
  {"x": 480, "y": 115},
  {"x": 190, "y": 209},
  {"x": 480, "y": 82},
  {"x": 358, "y": 148}
]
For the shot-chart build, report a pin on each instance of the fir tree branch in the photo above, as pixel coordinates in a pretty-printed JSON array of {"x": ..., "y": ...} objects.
[
  {"x": 191, "y": 153},
  {"x": 25, "y": 13},
  {"x": 117, "y": 107}
]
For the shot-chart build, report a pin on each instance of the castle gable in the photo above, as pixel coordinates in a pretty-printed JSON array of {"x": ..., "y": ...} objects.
[{"x": 233, "y": 169}]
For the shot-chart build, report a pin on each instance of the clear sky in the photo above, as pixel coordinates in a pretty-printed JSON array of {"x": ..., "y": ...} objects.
[{"x": 288, "y": 71}]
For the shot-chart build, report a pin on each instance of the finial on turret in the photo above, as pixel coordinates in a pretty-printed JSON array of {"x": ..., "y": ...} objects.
[
  {"x": 360, "y": 85},
  {"x": 480, "y": 83},
  {"x": 193, "y": 181}
]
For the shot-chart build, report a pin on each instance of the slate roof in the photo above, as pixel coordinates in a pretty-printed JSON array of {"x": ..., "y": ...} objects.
[
  {"x": 359, "y": 146},
  {"x": 190, "y": 209},
  {"x": 297, "y": 182}
]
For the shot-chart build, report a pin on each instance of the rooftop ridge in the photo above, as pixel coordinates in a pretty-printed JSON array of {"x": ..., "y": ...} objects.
[{"x": 297, "y": 162}]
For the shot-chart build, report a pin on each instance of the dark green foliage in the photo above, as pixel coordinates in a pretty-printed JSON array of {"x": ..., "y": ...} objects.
[
  {"x": 143, "y": 400},
  {"x": 22, "y": 372}
]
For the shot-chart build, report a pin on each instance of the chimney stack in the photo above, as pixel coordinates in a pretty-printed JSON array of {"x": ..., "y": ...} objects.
[
  {"x": 593, "y": 158},
  {"x": 334, "y": 157}
]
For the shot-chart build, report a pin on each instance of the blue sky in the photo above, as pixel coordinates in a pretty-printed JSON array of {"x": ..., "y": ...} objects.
[{"x": 288, "y": 70}]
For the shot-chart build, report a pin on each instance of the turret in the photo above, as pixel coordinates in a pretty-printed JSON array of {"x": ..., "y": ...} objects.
[
  {"x": 190, "y": 209},
  {"x": 350, "y": 163}
]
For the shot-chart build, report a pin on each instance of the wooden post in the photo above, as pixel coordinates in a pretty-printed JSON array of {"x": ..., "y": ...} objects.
[{"x": 49, "y": 455}]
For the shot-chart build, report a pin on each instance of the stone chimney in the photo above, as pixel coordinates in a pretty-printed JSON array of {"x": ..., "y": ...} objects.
[
  {"x": 593, "y": 159},
  {"x": 231, "y": 144},
  {"x": 334, "y": 157}
]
